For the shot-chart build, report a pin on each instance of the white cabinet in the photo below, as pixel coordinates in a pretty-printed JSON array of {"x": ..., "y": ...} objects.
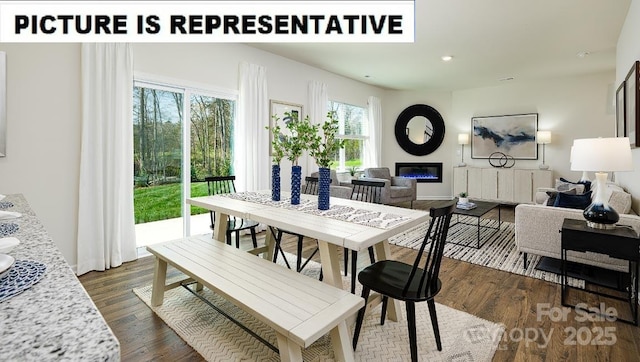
[{"x": 500, "y": 184}]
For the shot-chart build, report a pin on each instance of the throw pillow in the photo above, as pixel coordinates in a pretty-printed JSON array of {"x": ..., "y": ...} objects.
[
  {"x": 620, "y": 201},
  {"x": 573, "y": 201},
  {"x": 554, "y": 194},
  {"x": 587, "y": 183},
  {"x": 565, "y": 186}
]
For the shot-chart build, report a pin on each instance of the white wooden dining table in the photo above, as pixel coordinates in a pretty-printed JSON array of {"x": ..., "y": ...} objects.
[{"x": 333, "y": 230}]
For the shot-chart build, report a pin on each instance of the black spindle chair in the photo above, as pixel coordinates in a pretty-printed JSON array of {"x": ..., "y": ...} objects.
[
  {"x": 226, "y": 185},
  {"x": 410, "y": 283},
  {"x": 366, "y": 191},
  {"x": 310, "y": 187}
]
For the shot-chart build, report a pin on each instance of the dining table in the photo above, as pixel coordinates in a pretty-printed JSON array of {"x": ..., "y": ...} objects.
[{"x": 348, "y": 224}]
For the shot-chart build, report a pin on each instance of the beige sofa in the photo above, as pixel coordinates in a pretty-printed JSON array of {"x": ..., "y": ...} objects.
[{"x": 537, "y": 229}]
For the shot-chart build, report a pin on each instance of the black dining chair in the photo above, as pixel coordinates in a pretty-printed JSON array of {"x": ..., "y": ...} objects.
[
  {"x": 410, "y": 283},
  {"x": 366, "y": 191},
  {"x": 310, "y": 187},
  {"x": 226, "y": 185}
]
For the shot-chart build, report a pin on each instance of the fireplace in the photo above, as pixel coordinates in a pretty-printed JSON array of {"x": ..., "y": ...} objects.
[{"x": 421, "y": 171}]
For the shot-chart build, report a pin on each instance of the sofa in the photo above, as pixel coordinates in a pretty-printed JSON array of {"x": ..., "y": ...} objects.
[
  {"x": 396, "y": 188},
  {"x": 537, "y": 227}
]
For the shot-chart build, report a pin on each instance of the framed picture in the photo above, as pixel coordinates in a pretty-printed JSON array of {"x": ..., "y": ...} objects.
[
  {"x": 631, "y": 105},
  {"x": 279, "y": 109},
  {"x": 3, "y": 104},
  {"x": 620, "y": 111},
  {"x": 513, "y": 135}
]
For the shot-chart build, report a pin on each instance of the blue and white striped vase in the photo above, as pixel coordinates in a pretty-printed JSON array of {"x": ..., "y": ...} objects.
[
  {"x": 296, "y": 175},
  {"x": 324, "y": 184},
  {"x": 275, "y": 182}
]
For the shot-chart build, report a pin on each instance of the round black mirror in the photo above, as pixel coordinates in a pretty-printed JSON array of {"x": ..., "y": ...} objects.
[{"x": 419, "y": 129}]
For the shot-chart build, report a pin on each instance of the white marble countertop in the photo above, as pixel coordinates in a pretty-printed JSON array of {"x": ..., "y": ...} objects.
[{"x": 54, "y": 319}]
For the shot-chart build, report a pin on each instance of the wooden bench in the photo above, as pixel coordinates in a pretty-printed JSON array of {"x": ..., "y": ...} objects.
[{"x": 299, "y": 309}]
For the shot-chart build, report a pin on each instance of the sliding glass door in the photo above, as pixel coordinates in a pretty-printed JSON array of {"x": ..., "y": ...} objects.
[{"x": 180, "y": 136}]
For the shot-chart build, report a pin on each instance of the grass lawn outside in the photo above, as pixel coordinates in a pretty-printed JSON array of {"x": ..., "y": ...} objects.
[{"x": 162, "y": 202}]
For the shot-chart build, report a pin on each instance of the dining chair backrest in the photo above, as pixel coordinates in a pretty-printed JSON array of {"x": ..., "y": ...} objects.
[
  {"x": 436, "y": 237},
  {"x": 311, "y": 185},
  {"x": 220, "y": 184},
  {"x": 367, "y": 191}
]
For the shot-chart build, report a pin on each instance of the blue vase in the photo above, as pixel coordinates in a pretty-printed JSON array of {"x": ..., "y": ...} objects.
[
  {"x": 275, "y": 182},
  {"x": 324, "y": 184},
  {"x": 296, "y": 174}
]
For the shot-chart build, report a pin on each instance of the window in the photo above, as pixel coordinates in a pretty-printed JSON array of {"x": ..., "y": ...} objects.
[
  {"x": 354, "y": 130},
  {"x": 181, "y": 135}
]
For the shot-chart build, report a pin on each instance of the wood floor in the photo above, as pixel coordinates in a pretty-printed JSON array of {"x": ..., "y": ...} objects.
[{"x": 501, "y": 297}]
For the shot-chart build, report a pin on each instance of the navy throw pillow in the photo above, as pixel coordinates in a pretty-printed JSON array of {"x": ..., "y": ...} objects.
[
  {"x": 573, "y": 201},
  {"x": 587, "y": 183},
  {"x": 553, "y": 195}
]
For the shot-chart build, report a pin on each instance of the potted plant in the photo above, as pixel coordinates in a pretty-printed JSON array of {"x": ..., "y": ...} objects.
[
  {"x": 302, "y": 136},
  {"x": 353, "y": 171},
  {"x": 463, "y": 199},
  {"x": 277, "y": 154},
  {"x": 323, "y": 147}
]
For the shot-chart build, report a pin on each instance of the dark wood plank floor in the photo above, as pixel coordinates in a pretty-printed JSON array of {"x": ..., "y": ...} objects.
[{"x": 497, "y": 296}]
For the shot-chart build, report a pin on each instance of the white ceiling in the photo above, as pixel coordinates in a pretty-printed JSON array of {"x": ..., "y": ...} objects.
[{"x": 489, "y": 40}]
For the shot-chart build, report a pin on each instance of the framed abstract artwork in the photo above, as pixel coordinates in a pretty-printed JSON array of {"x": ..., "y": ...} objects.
[
  {"x": 3, "y": 104},
  {"x": 280, "y": 110},
  {"x": 631, "y": 105},
  {"x": 620, "y": 111},
  {"x": 513, "y": 135}
]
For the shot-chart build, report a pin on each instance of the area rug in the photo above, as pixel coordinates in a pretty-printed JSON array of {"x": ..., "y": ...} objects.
[
  {"x": 498, "y": 252},
  {"x": 464, "y": 336}
]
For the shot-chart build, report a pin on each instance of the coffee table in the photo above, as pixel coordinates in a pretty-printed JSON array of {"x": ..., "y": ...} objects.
[{"x": 482, "y": 208}]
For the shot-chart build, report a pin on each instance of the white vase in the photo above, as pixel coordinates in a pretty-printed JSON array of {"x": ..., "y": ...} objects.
[{"x": 463, "y": 200}]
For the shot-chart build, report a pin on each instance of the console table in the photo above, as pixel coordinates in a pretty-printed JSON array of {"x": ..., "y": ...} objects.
[
  {"x": 621, "y": 243},
  {"x": 54, "y": 319}
]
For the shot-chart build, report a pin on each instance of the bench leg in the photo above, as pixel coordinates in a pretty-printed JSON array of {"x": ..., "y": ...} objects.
[
  {"x": 289, "y": 351},
  {"x": 159, "y": 278},
  {"x": 341, "y": 342}
]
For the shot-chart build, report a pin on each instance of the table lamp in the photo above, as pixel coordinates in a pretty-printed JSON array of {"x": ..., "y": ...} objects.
[
  {"x": 463, "y": 139},
  {"x": 601, "y": 155},
  {"x": 542, "y": 138}
]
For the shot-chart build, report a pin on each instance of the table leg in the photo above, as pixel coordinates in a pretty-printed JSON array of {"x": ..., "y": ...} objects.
[
  {"x": 330, "y": 264},
  {"x": 270, "y": 243},
  {"x": 383, "y": 252},
  {"x": 159, "y": 278},
  {"x": 220, "y": 227}
]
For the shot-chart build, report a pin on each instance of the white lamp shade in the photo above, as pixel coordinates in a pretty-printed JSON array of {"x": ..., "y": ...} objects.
[
  {"x": 543, "y": 137},
  {"x": 463, "y": 138},
  {"x": 601, "y": 154}
]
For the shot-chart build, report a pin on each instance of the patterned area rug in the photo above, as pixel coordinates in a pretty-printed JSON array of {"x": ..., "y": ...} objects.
[
  {"x": 464, "y": 336},
  {"x": 498, "y": 251}
]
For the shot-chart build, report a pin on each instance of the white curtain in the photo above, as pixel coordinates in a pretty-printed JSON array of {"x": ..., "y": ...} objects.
[
  {"x": 106, "y": 233},
  {"x": 252, "y": 164},
  {"x": 373, "y": 145},
  {"x": 318, "y": 102}
]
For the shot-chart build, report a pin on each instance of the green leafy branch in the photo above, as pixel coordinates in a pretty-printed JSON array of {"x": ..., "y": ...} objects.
[
  {"x": 278, "y": 141},
  {"x": 324, "y": 147}
]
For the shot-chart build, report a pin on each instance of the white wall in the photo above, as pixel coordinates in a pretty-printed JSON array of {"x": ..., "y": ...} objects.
[
  {"x": 569, "y": 107},
  {"x": 43, "y": 135},
  {"x": 627, "y": 52},
  {"x": 395, "y": 102}
]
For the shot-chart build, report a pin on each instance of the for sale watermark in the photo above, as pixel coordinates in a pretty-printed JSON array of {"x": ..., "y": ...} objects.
[{"x": 538, "y": 337}]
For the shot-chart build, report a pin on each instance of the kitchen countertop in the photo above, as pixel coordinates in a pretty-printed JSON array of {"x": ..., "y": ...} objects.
[{"x": 55, "y": 319}]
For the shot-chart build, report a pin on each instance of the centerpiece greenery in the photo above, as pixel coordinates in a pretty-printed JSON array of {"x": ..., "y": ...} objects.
[
  {"x": 323, "y": 148},
  {"x": 277, "y": 154}
]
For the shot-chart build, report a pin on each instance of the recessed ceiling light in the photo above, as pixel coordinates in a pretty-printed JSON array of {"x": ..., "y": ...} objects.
[
  {"x": 506, "y": 79},
  {"x": 446, "y": 58},
  {"x": 367, "y": 76},
  {"x": 582, "y": 54}
]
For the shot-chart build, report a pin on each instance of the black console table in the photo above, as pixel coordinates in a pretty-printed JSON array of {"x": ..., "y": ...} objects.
[{"x": 620, "y": 243}]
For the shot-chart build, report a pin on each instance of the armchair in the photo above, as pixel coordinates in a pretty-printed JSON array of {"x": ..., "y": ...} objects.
[{"x": 396, "y": 188}]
